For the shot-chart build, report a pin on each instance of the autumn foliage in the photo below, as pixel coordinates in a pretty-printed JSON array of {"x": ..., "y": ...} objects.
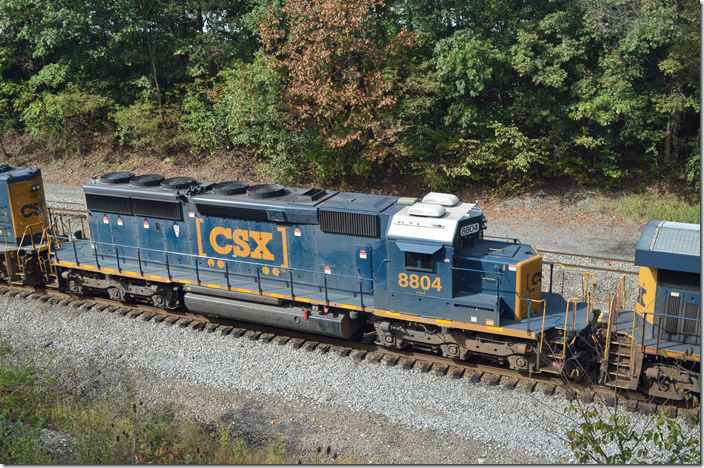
[{"x": 332, "y": 55}]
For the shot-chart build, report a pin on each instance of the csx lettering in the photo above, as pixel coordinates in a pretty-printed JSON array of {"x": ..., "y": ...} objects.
[
  {"x": 226, "y": 241},
  {"x": 31, "y": 209}
]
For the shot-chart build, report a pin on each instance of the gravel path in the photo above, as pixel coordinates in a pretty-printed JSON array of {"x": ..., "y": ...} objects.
[{"x": 359, "y": 407}]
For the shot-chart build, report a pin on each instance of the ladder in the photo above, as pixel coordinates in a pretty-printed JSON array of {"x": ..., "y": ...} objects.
[{"x": 619, "y": 368}]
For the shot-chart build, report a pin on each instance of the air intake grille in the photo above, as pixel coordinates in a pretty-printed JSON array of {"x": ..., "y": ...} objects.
[
  {"x": 104, "y": 203},
  {"x": 232, "y": 212},
  {"x": 684, "y": 318},
  {"x": 353, "y": 224},
  {"x": 692, "y": 326},
  {"x": 157, "y": 209},
  {"x": 678, "y": 280}
]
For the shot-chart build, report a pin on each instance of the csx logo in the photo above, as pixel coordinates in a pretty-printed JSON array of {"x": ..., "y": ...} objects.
[
  {"x": 226, "y": 241},
  {"x": 243, "y": 243},
  {"x": 31, "y": 209},
  {"x": 535, "y": 282}
]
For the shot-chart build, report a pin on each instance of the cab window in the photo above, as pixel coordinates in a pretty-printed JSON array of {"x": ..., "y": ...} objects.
[{"x": 419, "y": 261}]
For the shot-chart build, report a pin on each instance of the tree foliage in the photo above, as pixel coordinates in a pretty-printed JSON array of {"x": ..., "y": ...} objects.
[{"x": 599, "y": 91}]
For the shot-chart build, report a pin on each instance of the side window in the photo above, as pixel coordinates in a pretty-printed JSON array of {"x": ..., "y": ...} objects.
[{"x": 419, "y": 261}]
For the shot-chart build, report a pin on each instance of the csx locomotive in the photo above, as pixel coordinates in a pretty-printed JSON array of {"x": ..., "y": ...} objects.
[{"x": 407, "y": 273}]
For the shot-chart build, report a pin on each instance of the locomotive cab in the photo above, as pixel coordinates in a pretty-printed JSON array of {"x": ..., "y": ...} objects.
[
  {"x": 23, "y": 220},
  {"x": 440, "y": 261}
]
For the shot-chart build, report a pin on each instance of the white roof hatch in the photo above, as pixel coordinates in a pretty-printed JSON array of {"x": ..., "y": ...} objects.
[
  {"x": 443, "y": 199},
  {"x": 426, "y": 210}
]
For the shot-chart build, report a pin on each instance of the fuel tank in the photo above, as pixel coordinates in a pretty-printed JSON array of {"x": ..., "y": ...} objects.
[{"x": 337, "y": 324}]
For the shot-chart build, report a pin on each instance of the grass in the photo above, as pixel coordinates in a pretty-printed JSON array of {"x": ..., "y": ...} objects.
[
  {"x": 115, "y": 428},
  {"x": 651, "y": 205}
]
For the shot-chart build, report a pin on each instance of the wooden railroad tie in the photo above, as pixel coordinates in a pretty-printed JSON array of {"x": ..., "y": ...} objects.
[
  {"x": 391, "y": 360},
  {"x": 491, "y": 379},
  {"x": 423, "y": 366},
  {"x": 310, "y": 345}
]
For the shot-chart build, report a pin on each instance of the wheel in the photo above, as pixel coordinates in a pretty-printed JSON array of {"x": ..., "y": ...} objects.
[
  {"x": 158, "y": 300},
  {"x": 114, "y": 294}
]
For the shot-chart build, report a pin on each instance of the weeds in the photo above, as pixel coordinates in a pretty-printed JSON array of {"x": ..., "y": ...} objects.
[
  {"x": 651, "y": 205},
  {"x": 116, "y": 428}
]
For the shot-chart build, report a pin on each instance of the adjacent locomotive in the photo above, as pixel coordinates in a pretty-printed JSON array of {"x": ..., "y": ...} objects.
[
  {"x": 656, "y": 348},
  {"x": 24, "y": 239}
]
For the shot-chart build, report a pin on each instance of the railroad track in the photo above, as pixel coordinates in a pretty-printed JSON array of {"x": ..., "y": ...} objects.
[
  {"x": 474, "y": 372},
  {"x": 607, "y": 260}
]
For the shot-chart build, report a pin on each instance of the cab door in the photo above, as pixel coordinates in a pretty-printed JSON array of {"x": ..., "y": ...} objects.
[{"x": 418, "y": 281}]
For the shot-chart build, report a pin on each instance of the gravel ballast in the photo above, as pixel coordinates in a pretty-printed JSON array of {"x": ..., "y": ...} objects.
[{"x": 510, "y": 425}]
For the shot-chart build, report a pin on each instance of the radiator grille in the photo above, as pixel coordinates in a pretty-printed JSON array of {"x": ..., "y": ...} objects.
[
  {"x": 682, "y": 315},
  {"x": 157, "y": 209},
  {"x": 673, "y": 310},
  {"x": 232, "y": 212},
  {"x": 354, "y": 224},
  {"x": 691, "y": 327},
  {"x": 108, "y": 204},
  {"x": 678, "y": 280}
]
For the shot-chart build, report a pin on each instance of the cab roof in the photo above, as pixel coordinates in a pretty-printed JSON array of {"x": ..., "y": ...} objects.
[{"x": 670, "y": 246}]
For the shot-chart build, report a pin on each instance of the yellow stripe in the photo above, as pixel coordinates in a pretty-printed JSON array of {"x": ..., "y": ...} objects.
[
  {"x": 211, "y": 285},
  {"x": 68, "y": 263},
  {"x": 444, "y": 321},
  {"x": 495, "y": 329},
  {"x": 109, "y": 270},
  {"x": 89, "y": 267},
  {"x": 156, "y": 277},
  {"x": 182, "y": 281},
  {"x": 131, "y": 273}
]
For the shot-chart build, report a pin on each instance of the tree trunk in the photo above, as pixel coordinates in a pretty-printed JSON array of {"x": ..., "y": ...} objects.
[{"x": 152, "y": 59}]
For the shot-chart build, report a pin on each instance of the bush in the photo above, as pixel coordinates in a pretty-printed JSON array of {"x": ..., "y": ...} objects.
[
  {"x": 509, "y": 158},
  {"x": 205, "y": 122},
  {"x": 252, "y": 106},
  {"x": 70, "y": 115},
  {"x": 143, "y": 125}
]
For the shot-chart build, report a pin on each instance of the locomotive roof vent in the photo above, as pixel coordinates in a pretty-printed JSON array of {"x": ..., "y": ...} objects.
[
  {"x": 443, "y": 199},
  {"x": 176, "y": 183},
  {"x": 115, "y": 177},
  {"x": 310, "y": 195},
  {"x": 265, "y": 191},
  {"x": 427, "y": 210},
  {"x": 230, "y": 187},
  {"x": 146, "y": 180}
]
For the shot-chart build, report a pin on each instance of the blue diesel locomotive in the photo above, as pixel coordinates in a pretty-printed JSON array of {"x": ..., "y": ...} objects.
[
  {"x": 403, "y": 272},
  {"x": 410, "y": 273}
]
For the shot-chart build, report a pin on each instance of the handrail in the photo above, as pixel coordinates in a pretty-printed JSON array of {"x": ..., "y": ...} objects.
[{"x": 228, "y": 272}]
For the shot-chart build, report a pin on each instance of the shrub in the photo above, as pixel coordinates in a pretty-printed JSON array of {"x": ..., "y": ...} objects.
[
  {"x": 252, "y": 106},
  {"x": 143, "y": 125},
  {"x": 70, "y": 115},
  {"x": 205, "y": 121},
  {"x": 509, "y": 158}
]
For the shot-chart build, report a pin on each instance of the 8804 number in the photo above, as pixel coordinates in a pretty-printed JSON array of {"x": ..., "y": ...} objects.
[{"x": 418, "y": 282}]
